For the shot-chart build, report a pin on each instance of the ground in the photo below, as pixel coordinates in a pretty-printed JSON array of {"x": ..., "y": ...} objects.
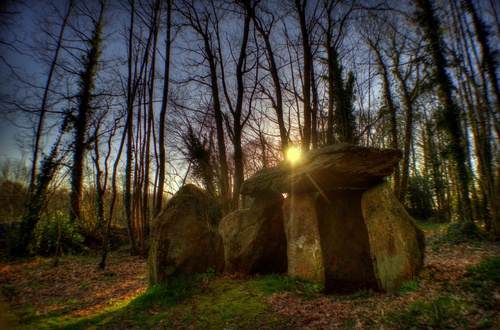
[{"x": 458, "y": 288}]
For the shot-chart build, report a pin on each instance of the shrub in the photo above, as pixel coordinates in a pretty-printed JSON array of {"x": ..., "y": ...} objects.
[
  {"x": 459, "y": 232},
  {"x": 57, "y": 232},
  {"x": 419, "y": 199}
]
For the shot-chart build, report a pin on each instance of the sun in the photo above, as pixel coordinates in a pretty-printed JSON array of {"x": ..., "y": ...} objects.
[{"x": 293, "y": 155}]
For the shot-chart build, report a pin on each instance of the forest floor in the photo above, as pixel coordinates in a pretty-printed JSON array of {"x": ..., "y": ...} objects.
[{"x": 458, "y": 288}]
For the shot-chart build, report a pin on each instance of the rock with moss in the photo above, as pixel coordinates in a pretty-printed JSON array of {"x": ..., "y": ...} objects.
[
  {"x": 395, "y": 241},
  {"x": 185, "y": 237},
  {"x": 254, "y": 238},
  {"x": 340, "y": 165},
  {"x": 305, "y": 257}
]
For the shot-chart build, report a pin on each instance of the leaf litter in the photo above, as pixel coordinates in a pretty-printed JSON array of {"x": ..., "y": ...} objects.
[{"x": 76, "y": 287}]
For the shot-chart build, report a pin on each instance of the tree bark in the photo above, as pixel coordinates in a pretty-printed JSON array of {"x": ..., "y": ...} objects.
[
  {"x": 163, "y": 114},
  {"x": 45, "y": 98},
  {"x": 450, "y": 117},
  {"x": 80, "y": 122},
  {"x": 273, "y": 69},
  {"x": 300, "y": 7}
]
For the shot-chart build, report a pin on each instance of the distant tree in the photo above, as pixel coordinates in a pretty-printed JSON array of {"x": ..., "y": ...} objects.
[
  {"x": 388, "y": 99},
  {"x": 205, "y": 22},
  {"x": 449, "y": 117},
  {"x": 37, "y": 201},
  {"x": 343, "y": 92},
  {"x": 341, "y": 119}
]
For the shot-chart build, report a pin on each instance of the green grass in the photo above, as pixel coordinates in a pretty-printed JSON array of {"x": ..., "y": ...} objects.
[
  {"x": 204, "y": 301},
  {"x": 440, "y": 312},
  {"x": 482, "y": 280},
  {"x": 226, "y": 304},
  {"x": 275, "y": 283},
  {"x": 432, "y": 226},
  {"x": 410, "y": 286},
  {"x": 168, "y": 294},
  {"x": 487, "y": 270},
  {"x": 448, "y": 310}
]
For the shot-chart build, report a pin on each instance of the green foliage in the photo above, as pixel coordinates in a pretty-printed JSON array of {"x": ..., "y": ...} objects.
[
  {"x": 275, "y": 283},
  {"x": 57, "y": 232},
  {"x": 419, "y": 198},
  {"x": 482, "y": 280},
  {"x": 487, "y": 270},
  {"x": 169, "y": 293},
  {"x": 343, "y": 89},
  {"x": 432, "y": 226},
  {"x": 460, "y": 232},
  {"x": 441, "y": 312},
  {"x": 457, "y": 233},
  {"x": 36, "y": 203},
  {"x": 208, "y": 275},
  {"x": 410, "y": 286},
  {"x": 199, "y": 155}
]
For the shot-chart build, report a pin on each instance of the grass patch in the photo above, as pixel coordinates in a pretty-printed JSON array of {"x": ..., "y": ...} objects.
[
  {"x": 168, "y": 294},
  {"x": 432, "y": 226},
  {"x": 410, "y": 286},
  {"x": 226, "y": 304},
  {"x": 456, "y": 233},
  {"x": 487, "y": 270},
  {"x": 275, "y": 283},
  {"x": 482, "y": 280},
  {"x": 442, "y": 312}
]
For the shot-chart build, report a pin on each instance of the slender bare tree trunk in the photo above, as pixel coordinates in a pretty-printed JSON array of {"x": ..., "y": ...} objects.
[
  {"x": 163, "y": 114},
  {"x": 45, "y": 98},
  {"x": 391, "y": 110},
  {"x": 300, "y": 7},
  {"x": 273, "y": 69}
]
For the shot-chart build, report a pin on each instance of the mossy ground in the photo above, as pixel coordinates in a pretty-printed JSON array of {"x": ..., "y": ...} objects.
[{"x": 458, "y": 288}]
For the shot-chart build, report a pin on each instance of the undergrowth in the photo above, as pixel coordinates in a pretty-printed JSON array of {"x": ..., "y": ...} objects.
[
  {"x": 275, "y": 283},
  {"x": 457, "y": 233},
  {"x": 441, "y": 312}
]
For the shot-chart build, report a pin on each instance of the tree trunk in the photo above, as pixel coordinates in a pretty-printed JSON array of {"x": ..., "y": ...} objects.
[
  {"x": 391, "y": 111},
  {"x": 80, "y": 122},
  {"x": 306, "y": 89},
  {"x": 278, "y": 102},
  {"x": 163, "y": 115},
  {"x": 450, "y": 117},
  {"x": 238, "y": 124},
  {"x": 45, "y": 98}
]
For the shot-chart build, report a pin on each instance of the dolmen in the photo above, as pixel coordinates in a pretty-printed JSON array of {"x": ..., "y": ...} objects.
[{"x": 328, "y": 218}]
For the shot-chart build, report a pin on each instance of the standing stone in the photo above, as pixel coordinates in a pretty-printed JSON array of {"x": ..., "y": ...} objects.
[
  {"x": 344, "y": 241},
  {"x": 254, "y": 239},
  {"x": 305, "y": 258},
  {"x": 394, "y": 241},
  {"x": 184, "y": 236}
]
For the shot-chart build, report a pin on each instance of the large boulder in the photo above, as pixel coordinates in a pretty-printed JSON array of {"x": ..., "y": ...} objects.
[
  {"x": 344, "y": 241},
  {"x": 254, "y": 238},
  {"x": 305, "y": 258},
  {"x": 396, "y": 243},
  {"x": 184, "y": 236},
  {"x": 340, "y": 165}
]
